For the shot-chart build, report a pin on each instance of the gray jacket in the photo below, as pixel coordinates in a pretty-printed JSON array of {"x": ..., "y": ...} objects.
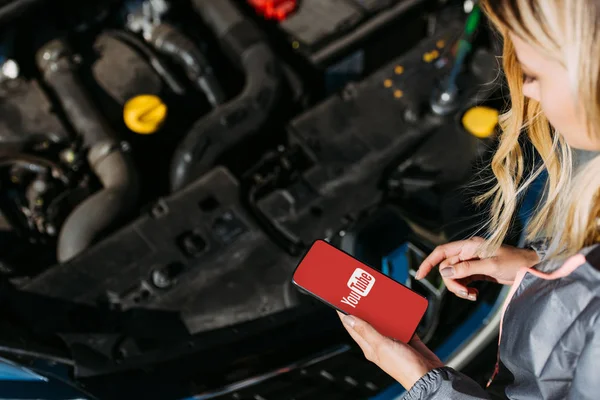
[{"x": 550, "y": 341}]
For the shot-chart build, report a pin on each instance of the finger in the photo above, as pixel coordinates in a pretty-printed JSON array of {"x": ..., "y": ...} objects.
[
  {"x": 468, "y": 268},
  {"x": 438, "y": 255},
  {"x": 448, "y": 262},
  {"x": 366, "y": 348},
  {"x": 371, "y": 342},
  {"x": 460, "y": 289},
  {"x": 453, "y": 260},
  {"x": 399, "y": 360},
  {"x": 470, "y": 290},
  {"x": 365, "y": 330},
  {"x": 357, "y": 338},
  {"x": 464, "y": 248}
]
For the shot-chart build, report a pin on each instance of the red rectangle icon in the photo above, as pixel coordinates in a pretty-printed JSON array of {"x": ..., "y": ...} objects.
[{"x": 354, "y": 288}]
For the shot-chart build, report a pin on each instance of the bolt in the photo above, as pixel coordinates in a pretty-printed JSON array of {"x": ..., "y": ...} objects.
[
  {"x": 39, "y": 186},
  {"x": 159, "y": 209},
  {"x": 68, "y": 156},
  {"x": 193, "y": 244},
  {"x": 50, "y": 230},
  {"x": 411, "y": 115},
  {"x": 10, "y": 69},
  {"x": 468, "y": 6},
  {"x": 228, "y": 216},
  {"x": 160, "y": 279},
  {"x": 349, "y": 92},
  {"x": 125, "y": 146}
]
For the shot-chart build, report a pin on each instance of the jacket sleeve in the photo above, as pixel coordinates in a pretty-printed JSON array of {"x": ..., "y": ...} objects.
[
  {"x": 586, "y": 385},
  {"x": 447, "y": 384},
  {"x": 540, "y": 246}
]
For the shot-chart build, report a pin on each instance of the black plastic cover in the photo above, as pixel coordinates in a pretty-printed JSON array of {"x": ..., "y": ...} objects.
[
  {"x": 197, "y": 254},
  {"x": 357, "y": 138},
  {"x": 317, "y": 20},
  {"x": 26, "y": 116},
  {"x": 324, "y": 31}
]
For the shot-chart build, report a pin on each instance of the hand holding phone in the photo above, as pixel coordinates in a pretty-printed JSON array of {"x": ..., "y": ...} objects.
[{"x": 354, "y": 288}]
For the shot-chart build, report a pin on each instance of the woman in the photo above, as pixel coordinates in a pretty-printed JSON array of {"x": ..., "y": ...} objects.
[{"x": 550, "y": 344}]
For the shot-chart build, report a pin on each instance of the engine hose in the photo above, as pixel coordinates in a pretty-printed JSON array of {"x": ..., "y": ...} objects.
[
  {"x": 159, "y": 67},
  {"x": 167, "y": 40},
  {"x": 109, "y": 160},
  {"x": 34, "y": 164},
  {"x": 243, "y": 115}
]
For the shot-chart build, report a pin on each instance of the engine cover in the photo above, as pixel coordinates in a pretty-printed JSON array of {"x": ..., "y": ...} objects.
[
  {"x": 357, "y": 138},
  {"x": 121, "y": 72},
  {"x": 197, "y": 254},
  {"x": 26, "y": 116}
]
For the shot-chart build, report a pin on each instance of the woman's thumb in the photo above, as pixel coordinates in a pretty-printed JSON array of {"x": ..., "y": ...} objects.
[{"x": 467, "y": 268}]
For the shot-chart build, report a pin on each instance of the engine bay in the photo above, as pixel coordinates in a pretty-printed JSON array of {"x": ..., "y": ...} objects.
[{"x": 163, "y": 165}]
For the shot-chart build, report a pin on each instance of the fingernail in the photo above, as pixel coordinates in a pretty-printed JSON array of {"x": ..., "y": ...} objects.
[
  {"x": 447, "y": 272},
  {"x": 348, "y": 321},
  {"x": 463, "y": 293},
  {"x": 472, "y": 297},
  {"x": 418, "y": 275}
]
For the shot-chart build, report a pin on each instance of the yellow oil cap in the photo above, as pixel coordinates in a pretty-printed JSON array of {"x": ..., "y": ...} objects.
[
  {"x": 144, "y": 114},
  {"x": 480, "y": 121}
]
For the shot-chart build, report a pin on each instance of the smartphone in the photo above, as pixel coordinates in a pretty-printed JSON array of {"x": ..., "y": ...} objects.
[{"x": 348, "y": 285}]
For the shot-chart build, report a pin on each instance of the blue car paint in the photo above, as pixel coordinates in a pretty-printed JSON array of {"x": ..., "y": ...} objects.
[
  {"x": 395, "y": 265},
  {"x": 43, "y": 380},
  {"x": 10, "y": 371}
]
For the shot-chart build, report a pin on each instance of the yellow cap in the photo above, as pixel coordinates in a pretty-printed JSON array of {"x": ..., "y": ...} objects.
[
  {"x": 480, "y": 121},
  {"x": 144, "y": 114},
  {"x": 431, "y": 56}
]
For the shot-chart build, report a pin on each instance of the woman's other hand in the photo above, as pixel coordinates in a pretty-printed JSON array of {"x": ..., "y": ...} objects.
[
  {"x": 406, "y": 363},
  {"x": 459, "y": 265}
]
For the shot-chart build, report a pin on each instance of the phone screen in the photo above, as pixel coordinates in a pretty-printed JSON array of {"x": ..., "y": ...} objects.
[{"x": 354, "y": 288}]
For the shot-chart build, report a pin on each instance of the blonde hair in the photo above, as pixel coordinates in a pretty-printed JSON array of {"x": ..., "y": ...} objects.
[{"x": 569, "y": 32}]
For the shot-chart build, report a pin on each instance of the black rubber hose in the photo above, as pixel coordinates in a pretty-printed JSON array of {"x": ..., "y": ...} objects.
[
  {"x": 245, "y": 114},
  {"x": 167, "y": 40},
  {"x": 159, "y": 67},
  {"x": 33, "y": 164},
  {"x": 108, "y": 158}
]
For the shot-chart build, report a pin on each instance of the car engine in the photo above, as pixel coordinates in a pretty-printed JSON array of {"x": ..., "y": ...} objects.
[{"x": 164, "y": 165}]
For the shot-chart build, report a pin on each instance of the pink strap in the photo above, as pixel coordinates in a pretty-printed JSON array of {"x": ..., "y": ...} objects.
[{"x": 565, "y": 270}]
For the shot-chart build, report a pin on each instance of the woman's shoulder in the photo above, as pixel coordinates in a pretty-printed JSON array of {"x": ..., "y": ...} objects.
[
  {"x": 586, "y": 260},
  {"x": 586, "y": 264},
  {"x": 574, "y": 284},
  {"x": 580, "y": 275},
  {"x": 588, "y": 271}
]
